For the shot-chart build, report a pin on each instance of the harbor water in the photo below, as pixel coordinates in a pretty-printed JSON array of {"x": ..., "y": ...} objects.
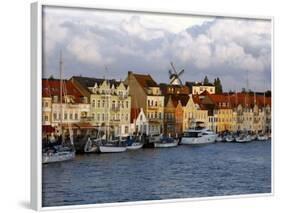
[{"x": 152, "y": 174}]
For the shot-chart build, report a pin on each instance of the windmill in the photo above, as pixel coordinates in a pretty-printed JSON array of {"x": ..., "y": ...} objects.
[{"x": 175, "y": 76}]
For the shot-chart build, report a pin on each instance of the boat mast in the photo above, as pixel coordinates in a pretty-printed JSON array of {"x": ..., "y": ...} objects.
[{"x": 61, "y": 85}]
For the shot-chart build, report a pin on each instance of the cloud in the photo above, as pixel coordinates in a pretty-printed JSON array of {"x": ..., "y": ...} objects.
[{"x": 93, "y": 39}]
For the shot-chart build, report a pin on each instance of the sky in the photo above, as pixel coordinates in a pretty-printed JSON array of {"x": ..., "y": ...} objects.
[{"x": 107, "y": 44}]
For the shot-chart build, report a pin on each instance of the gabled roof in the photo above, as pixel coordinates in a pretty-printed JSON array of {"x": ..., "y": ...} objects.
[
  {"x": 90, "y": 82},
  {"x": 249, "y": 100},
  {"x": 145, "y": 80},
  {"x": 51, "y": 87},
  {"x": 176, "y": 98}
]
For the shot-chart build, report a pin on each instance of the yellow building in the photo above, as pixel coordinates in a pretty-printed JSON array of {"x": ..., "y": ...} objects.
[
  {"x": 146, "y": 94},
  {"x": 193, "y": 113},
  {"x": 200, "y": 87},
  {"x": 225, "y": 121},
  {"x": 110, "y": 103}
]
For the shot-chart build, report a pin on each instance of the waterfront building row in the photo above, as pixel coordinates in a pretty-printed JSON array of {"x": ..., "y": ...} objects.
[{"x": 140, "y": 105}]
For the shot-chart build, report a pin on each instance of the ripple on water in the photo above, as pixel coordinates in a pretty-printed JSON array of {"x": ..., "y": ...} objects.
[{"x": 152, "y": 174}]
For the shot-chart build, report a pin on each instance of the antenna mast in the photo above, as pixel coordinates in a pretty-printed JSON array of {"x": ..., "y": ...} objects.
[{"x": 61, "y": 85}]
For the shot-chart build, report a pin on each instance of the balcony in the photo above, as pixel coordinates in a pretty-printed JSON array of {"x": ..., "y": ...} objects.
[
  {"x": 115, "y": 109},
  {"x": 122, "y": 97},
  {"x": 152, "y": 107}
]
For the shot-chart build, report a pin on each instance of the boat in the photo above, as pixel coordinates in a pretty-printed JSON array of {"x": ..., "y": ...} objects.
[
  {"x": 151, "y": 139},
  {"x": 58, "y": 155},
  {"x": 219, "y": 139},
  {"x": 262, "y": 137},
  {"x": 166, "y": 142},
  {"x": 133, "y": 143},
  {"x": 112, "y": 146},
  {"x": 62, "y": 150},
  {"x": 198, "y": 136},
  {"x": 229, "y": 138},
  {"x": 91, "y": 145},
  {"x": 243, "y": 139}
]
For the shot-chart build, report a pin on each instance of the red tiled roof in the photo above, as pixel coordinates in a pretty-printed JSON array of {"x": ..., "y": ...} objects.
[
  {"x": 51, "y": 87},
  {"x": 176, "y": 98},
  {"x": 145, "y": 80},
  {"x": 226, "y": 100},
  {"x": 249, "y": 100}
]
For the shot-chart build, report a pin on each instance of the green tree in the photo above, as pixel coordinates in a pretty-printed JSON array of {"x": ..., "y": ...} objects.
[
  {"x": 268, "y": 93},
  {"x": 218, "y": 85},
  {"x": 206, "y": 80}
]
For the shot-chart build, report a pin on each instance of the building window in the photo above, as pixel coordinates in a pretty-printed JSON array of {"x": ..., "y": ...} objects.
[
  {"x": 155, "y": 114},
  {"x": 46, "y": 118},
  {"x": 156, "y": 103},
  {"x": 98, "y": 117},
  {"x": 71, "y": 116},
  {"x": 94, "y": 104},
  {"x": 102, "y": 117},
  {"x": 127, "y": 117},
  {"x": 160, "y": 115},
  {"x": 76, "y": 116},
  {"x": 98, "y": 103},
  {"x": 127, "y": 104},
  {"x": 55, "y": 116},
  {"x": 65, "y": 116},
  {"x": 93, "y": 116},
  {"x": 113, "y": 104},
  {"x": 103, "y": 103},
  {"x": 148, "y": 102},
  {"x": 126, "y": 130}
]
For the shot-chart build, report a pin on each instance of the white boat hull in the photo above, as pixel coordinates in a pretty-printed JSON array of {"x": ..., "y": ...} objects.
[
  {"x": 262, "y": 138},
  {"x": 57, "y": 157},
  {"x": 219, "y": 139},
  {"x": 243, "y": 140},
  {"x": 135, "y": 146},
  {"x": 198, "y": 140},
  {"x": 112, "y": 149},
  {"x": 229, "y": 140},
  {"x": 166, "y": 145}
]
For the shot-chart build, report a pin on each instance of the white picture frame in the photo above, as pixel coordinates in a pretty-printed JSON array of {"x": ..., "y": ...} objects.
[{"x": 36, "y": 103}]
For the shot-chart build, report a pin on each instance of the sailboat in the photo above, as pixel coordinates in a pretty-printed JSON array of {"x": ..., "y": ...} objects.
[
  {"x": 60, "y": 152},
  {"x": 166, "y": 142},
  {"x": 134, "y": 142}
]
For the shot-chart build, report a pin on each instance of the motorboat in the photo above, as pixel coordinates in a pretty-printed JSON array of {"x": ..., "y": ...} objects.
[{"x": 198, "y": 136}]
